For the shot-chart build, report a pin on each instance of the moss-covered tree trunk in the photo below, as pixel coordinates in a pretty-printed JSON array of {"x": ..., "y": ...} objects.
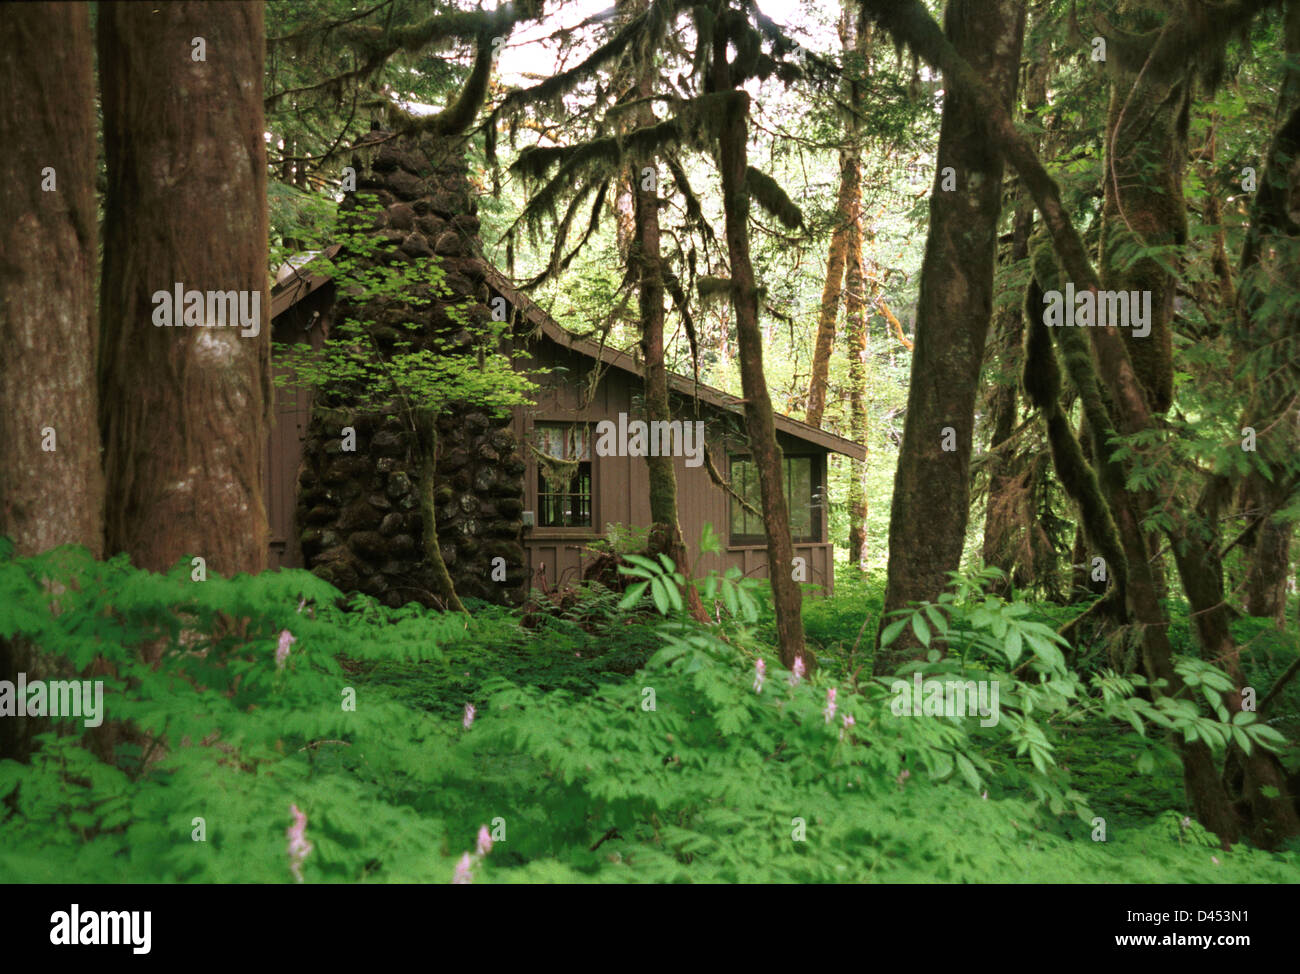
[
  {"x": 1007, "y": 516},
  {"x": 854, "y": 38},
  {"x": 645, "y": 252},
  {"x": 1146, "y": 152},
  {"x": 51, "y": 484},
  {"x": 928, "y": 519},
  {"x": 733, "y": 136},
  {"x": 426, "y": 441},
  {"x": 829, "y": 308},
  {"x": 184, "y": 409}
]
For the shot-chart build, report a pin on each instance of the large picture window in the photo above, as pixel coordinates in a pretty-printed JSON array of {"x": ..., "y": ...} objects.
[
  {"x": 563, "y": 454},
  {"x": 801, "y": 493}
]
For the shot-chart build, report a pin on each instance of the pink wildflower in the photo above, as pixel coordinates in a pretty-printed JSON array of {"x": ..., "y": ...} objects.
[
  {"x": 830, "y": 705},
  {"x": 469, "y": 715},
  {"x": 760, "y": 670},
  {"x": 1214, "y": 859},
  {"x": 848, "y": 722},
  {"x": 797, "y": 674},
  {"x": 299, "y": 847},
  {"x": 282, "y": 650},
  {"x": 484, "y": 841},
  {"x": 463, "y": 877}
]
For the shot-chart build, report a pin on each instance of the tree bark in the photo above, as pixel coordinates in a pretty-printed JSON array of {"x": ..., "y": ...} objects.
[
  {"x": 51, "y": 484},
  {"x": 829, "y": 308},
  {"x": 909, "y": 22},
  {"x": 928, "y": 518},
  {"x": 183, "y": 410},
  {"x": 426, "y": 438},
  {"x": 854, "y": 37},
  {"x": 733, "y": 136},
  {"x": 645, "y": 251}
]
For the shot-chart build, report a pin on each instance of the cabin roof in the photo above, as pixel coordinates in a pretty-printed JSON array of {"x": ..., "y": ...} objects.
[{"x": 296, "y": 280}]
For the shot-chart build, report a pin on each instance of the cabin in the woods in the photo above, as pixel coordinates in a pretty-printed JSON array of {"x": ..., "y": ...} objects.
[
  {"x": 533, "y": 490},
  {"x": 561, "y": 520}
]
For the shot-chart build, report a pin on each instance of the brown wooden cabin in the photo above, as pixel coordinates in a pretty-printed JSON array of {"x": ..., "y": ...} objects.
[{"x": 561, "y": 522}]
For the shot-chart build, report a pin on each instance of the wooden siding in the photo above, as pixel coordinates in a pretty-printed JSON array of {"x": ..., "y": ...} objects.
[
  {"x": 306, "y": 322},
  {"x": 620, "y": 486}
]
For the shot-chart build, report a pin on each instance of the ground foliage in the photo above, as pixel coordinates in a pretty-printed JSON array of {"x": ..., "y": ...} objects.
[{"x": 561, "y": 752}]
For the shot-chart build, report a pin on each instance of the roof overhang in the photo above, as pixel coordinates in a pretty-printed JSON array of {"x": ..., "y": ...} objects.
[{"x": 303, "y": 281}]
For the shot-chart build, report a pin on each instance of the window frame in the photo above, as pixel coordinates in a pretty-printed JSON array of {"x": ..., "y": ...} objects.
[
  {"x": 535, "y": 481},
  {"x": 816, "y": 493}
]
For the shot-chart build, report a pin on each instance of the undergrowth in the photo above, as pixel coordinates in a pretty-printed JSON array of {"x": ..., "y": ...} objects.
[{"x": 616, "y": 742}]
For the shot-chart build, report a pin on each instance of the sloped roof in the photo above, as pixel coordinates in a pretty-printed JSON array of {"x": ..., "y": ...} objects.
[
  {"x": 682, "y": 384},
  {"x": 298, "y": 281}
]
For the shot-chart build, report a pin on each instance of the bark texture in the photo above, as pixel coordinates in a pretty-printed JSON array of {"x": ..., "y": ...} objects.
[
  {"x": 733, "y": 137},
  {"x": 183, "y": 409},
  {"x": 51, "y": 484},
  {"x": 932, "y": 486},
  {"x": 51, "y": 487}
]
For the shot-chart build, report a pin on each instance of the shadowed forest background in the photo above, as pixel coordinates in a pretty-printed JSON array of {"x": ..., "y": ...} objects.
[{"x": 854, "y": 215}]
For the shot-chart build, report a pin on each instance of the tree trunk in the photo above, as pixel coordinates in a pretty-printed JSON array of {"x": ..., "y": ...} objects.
[
  {"x": 1270, "y": 568},
  {"x": 927, "y": 527},
  {"x": 1002, "y": 526},
  {"x": 830, "y": 303},
  {"x": 1146, "y": 143},
  {"x": 183, "y": 410},
  {"x": 1128, "y": 406},
  {"x": 733, "y": 136},
  {"x": 1002, "y": 523},
  {"x": 645, "y": 250},
  {"x": 426, "y": 438},
  {"x": 854, "y": 38},
  {"x": 51, "y": 484}
]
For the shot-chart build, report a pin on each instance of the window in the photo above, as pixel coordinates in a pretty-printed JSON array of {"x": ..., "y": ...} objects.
[
  {"x": 803, "y": 497},
  {"x": 563, "y": 453}
]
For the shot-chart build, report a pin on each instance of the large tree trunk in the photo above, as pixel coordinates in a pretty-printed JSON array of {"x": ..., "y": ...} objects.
[
  {"x": 183, "y": 410},
  {"x": 733, "y": 163},
  {"x": 51, "y": 485},
  {"x": 932, "y": 486}
]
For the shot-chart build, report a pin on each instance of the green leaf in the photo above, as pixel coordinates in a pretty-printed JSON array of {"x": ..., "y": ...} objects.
[
  {"x": 658, "y": 591},
  {"x": 633, "y": 595},
  {"x": 920, "y": 628},
  {"x": 891, "y": 631},
  {"x": 968, "y": 771},
  {"x": 1014, "y": 646}
]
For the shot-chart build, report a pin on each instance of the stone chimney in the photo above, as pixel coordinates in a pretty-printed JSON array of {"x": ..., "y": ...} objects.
[{"x": 360, "y": 511}]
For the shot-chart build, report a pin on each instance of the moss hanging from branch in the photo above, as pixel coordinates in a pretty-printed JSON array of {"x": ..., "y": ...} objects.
[{"x": 768, "y": 194}]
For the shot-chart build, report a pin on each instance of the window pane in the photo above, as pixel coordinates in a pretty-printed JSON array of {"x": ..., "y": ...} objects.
[
  {"x": 799, "y": 495},
  {"x": 738, "y": 485},
  {"x": 563, "y": 474}
]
